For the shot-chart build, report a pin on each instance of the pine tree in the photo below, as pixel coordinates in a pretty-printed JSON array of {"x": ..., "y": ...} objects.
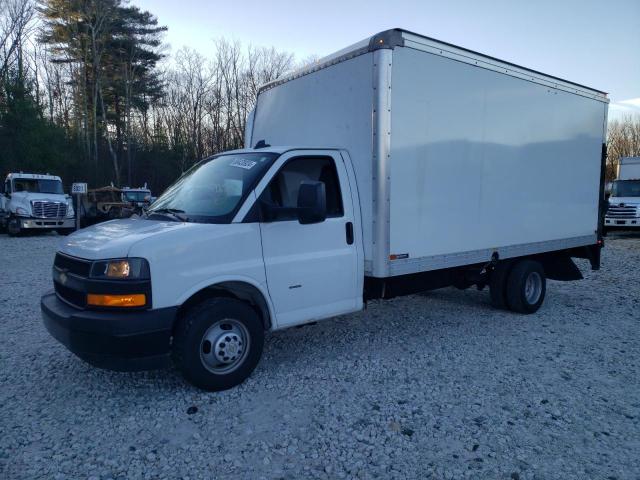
[{"x": 113, "y": 48}]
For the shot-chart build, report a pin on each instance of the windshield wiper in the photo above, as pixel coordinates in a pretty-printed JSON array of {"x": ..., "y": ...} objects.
[{"x": 173, "y": 213}]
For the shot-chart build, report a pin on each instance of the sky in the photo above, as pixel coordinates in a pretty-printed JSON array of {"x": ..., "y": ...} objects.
[{"x": 591, "y": 42}]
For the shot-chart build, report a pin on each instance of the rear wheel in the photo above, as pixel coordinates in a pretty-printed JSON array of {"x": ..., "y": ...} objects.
[
  {"x": 498, "y": 284},
  {"x": 526, "y": 286},
  {"x": 218, "y": 343}
]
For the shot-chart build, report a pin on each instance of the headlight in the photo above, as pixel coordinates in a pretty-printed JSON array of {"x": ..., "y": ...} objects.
[
  {"x": 70, "y": 211},
  {"x": 22, "y": 211},
  {"x": 121, "y": 269}
]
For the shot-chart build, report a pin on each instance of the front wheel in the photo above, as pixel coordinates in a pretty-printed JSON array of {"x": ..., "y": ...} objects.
[
  {"x": 218, "y": 343},
  {"x": 526, "y": 286},
  {"x": 13, "y": 227}
]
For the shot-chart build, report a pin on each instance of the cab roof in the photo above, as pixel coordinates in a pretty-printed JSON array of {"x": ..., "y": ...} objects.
[
  {"x": 279, "y": 150},
  {"x": 33, "y": 176}
]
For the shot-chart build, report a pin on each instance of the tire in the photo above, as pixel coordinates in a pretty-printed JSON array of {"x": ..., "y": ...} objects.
[
  {"x": 13, "y": 227},
  {"x": 209, "y": 335},
  {"x": 114, "y": 213},
  {"x": 526, "y": 287},
  {"x": 498, "y": 284}
]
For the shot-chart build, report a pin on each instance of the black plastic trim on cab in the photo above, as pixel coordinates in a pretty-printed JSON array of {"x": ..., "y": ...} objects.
[
  {"x": 123, "y": 341},
  {"x": 73, "y": 289}
]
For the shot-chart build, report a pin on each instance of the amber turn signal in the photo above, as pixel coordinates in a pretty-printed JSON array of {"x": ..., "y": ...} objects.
[{"x": 128, "y": 300}]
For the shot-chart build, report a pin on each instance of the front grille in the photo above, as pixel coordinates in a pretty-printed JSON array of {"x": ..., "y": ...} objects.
[
  {"x": 628, "y": 211},
  {"x": 72, "y": 265},
  {"x": 43, "y": 209},
  {"x": 74, "y": 297}
]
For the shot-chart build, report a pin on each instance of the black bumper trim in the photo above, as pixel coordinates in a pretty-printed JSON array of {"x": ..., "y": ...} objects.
[{"x": 123, "y": 341}]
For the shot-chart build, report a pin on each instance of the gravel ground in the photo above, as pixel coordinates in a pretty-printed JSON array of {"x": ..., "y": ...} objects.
[{"x": 437, "y": 385}]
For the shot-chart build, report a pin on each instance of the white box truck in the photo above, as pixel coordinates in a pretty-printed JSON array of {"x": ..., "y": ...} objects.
[
  {"x": 624, "y": 202},
  {"x": 35, "y": 202},
  {"x": 397, "y": 165}
]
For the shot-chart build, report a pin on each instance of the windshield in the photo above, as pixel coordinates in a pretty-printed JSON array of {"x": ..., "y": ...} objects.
[
  {"x": 33, "y": 185},
  {"x": 626, "y": 188},
  {"x": 213, "y": 190},
  {"x": 137, "y": 196}
]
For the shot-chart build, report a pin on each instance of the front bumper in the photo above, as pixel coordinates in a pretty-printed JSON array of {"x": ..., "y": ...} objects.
[
  {"x": 612, "y": 222},
  {"x": 39, "y": 223},
  {"x": 121, "y": 341}
]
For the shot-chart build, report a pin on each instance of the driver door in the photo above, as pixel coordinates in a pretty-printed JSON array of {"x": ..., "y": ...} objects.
[{"x": 311, "y": 269}]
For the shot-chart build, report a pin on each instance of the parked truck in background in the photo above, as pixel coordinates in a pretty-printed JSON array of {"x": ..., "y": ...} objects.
[
  {"x": 34, "y": 202},
  {"x": 397, "y": 165},
  {"x": 138, "y": 198},
  {"x": 624, "y": 200},
  {"x": 102, "y": 204}
]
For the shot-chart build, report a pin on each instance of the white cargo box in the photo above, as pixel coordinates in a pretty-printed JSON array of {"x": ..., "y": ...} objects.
[
  {"x": 629, "y": 168},
  {"x": 457, "y": 155}
]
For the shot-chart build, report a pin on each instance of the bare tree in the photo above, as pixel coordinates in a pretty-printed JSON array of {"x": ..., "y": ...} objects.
[
  {"x": 623, "y": 140},
  {"x": 16, "y": 24},
  {"x": 101, "y": 97}
]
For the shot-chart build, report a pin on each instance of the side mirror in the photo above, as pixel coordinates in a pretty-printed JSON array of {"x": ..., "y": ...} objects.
[{"x": 312, "y": 203}]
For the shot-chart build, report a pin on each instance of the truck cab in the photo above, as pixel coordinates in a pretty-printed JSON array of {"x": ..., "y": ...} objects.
[
  {"x": 271, "y": 235},
  {"x": 137, "y": 198},
  {"x": 624, "y": 205},
  {"x": 623, "y": 211},
  {"x": 34, "y": 202}
]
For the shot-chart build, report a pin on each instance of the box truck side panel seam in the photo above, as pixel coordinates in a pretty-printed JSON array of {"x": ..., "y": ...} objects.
[
  {"x": 394, "y": 38},
  {"x": 459, "y": 54},
  {"x": 381, "y": 138},
  {"x": 436, "y": 262}
]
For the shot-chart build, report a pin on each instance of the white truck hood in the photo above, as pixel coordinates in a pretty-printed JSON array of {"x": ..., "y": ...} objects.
[
  {"x": 113, "y": 239},
  {"x": 28, "y": 196},
  {"x": 23, "y": 199},
  {"x": 615, "y": 201}
]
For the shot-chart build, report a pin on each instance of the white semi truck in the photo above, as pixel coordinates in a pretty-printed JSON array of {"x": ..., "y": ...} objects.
[
  {"x": 34, "y": 202},
  {"x": 398, "y": 165},
  {"x": 624, "y": 203}
]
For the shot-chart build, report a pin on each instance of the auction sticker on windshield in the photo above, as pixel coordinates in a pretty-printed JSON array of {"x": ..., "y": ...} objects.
[{"x": 243, "y": 163}]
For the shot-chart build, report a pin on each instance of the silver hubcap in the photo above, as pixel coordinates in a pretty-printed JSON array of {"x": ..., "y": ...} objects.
[
  {"x": 533, "y": 288},
  {"x": 224, "y": 346}
]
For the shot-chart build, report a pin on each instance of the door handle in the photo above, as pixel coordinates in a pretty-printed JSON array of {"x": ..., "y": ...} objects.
[{"x": 349, "y": 229}]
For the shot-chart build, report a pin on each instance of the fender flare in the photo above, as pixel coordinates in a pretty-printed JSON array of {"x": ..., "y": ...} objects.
[{"x": 241, "y": 287}]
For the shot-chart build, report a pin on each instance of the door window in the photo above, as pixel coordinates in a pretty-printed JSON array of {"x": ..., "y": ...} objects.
[{"x": 282, "y": 191}]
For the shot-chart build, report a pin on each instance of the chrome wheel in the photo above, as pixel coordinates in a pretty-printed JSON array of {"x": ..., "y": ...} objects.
[
  {"x": 224, "y": 346},
  {"x": 533, "y": 288}
]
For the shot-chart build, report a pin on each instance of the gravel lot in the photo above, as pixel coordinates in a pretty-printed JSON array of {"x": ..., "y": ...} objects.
[{"x": 437, "y": 385}]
